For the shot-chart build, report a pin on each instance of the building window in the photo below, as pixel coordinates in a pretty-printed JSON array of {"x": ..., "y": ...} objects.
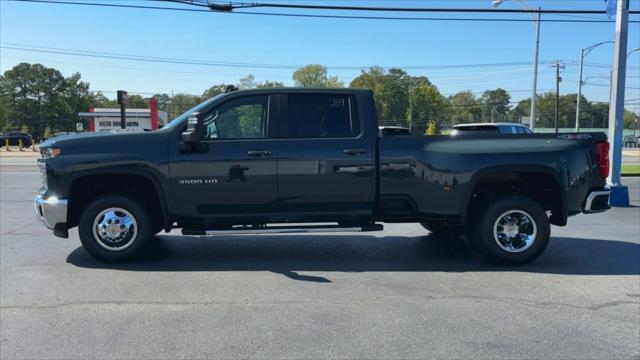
[
  {"x": 132, "y": 123},
  {"x": 104, "y": 123}
]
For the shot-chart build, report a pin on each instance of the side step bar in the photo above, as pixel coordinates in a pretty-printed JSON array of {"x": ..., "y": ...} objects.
[{"x": 281, "y": 229}]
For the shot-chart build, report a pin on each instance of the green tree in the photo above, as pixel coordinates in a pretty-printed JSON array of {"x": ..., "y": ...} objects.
[
  {"x": 163, "y": 101},
  {"x": 426, "y": 104},
  {"x": 247, "y": 82},
  {"x": 37, "y": 96},
  {"x": 464, "y": 108},
  {"x": 180, "y": 103},
  {"x": 599, "y": 117},
  {"x": 215, "y": 90},
  {"x": 373, "y": 79},
  {"x": 269, "y": 84},
  {"x": 495, "y": 102},
  {"x": 391, "y": 92},
  {"x": 630, "y": 120},
  {"x": 315, "y": 75},
  {"x": 138, "y": 102}
]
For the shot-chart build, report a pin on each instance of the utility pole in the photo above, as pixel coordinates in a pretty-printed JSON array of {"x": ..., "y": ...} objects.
[
  {"x": 558, "y": 65},
  {"x": 410, "y": 107},
  {"x": 534, "y": 96},
  {"x": 619, "y": 193},
  {"x": 580, "y": 83},
  {"x": 584, "y": 52},
  {"x": 536, "y": 54},
  {"x": 123, "y": 100}
]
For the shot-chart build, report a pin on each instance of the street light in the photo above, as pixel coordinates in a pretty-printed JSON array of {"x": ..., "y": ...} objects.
[
  {"x": 584, "y": 52},
  {"x": 493, "y": 110},
  {"x": 629, "y": 53},
  {"x": 536, "y": 20}
]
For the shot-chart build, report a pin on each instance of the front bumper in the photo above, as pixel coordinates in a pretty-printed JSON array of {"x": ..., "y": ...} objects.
[
  {"x": 51, "y": 211},
  {"x": 597, "y": 201}
]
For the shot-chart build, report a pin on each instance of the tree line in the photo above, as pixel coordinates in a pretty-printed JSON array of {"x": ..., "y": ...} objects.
[{"x": 35, "y": 98}]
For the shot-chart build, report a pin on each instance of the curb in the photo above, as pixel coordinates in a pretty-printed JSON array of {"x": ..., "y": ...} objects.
[{"x": 630, "y": 174}]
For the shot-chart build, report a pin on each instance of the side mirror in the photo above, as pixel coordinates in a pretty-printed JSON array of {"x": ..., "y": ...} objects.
[{"x": 194, "y": 129}]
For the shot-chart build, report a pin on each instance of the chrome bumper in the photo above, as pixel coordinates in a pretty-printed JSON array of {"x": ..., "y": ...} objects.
[
  {"x": 597, "y": 201},
  {"x": 51, "y": 211}
]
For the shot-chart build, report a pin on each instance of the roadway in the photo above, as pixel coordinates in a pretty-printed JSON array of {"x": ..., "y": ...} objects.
[{"x": 401, "y": 293}]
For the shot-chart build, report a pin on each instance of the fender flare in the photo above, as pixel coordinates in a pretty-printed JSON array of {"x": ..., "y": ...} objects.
[
  {"x": 129, "y": 171},
  {"x": 560, "y": 219}
]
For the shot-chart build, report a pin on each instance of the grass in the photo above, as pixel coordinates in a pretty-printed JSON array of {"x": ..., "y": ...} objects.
[{"x": 631, "y": 169}]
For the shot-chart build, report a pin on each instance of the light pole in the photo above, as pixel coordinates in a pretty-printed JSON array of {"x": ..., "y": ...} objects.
[
  {"x": 619, "y": 193},
  {"x": 536, "y": 21},
  {"x": 584, "y": 52},
  {"x": 629, "y": 53},
  {"x": 493, "y": 109}
]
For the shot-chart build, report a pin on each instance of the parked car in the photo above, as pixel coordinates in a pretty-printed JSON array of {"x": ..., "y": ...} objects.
[
  {"x": 489, "y": 128},
  {"x": 273, "y": 160},
  {"x": 14, "y": 137},
  {"x": 631, "y": 141},
  {"x": 393, "y": 131}
]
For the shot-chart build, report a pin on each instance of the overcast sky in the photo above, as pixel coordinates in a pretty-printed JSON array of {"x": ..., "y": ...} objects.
[{"x": 236, "y": 38}]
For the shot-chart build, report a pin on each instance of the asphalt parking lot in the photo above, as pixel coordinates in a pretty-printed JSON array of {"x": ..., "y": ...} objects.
[{"x": 401, "y": 293}]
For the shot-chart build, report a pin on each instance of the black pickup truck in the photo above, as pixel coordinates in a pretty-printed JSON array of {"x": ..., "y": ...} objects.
[{"x": 312, "y": 160}]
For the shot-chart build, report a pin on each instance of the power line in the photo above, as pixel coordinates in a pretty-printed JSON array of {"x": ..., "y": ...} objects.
[
  {"x": 144, "y": 58},
  {"x": 361, "y": 17},
  {"x": 224, "y": 5}
]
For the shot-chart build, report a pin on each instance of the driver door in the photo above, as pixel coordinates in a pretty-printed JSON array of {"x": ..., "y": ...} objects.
[{"x": 233, "y": 176}]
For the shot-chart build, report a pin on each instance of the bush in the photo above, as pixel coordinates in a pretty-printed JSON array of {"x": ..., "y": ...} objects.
[
  {"x": 47, "y": 133},
  {"x": 432, "y": 128}
]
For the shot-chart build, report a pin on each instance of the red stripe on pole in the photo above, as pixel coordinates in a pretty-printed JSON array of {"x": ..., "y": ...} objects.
[
  {"x": 153, "y": 105},
  {"x": 92, "y": 122}
]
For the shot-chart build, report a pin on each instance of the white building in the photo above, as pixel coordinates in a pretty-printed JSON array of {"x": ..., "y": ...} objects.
[{"x": 108, "y": 119}]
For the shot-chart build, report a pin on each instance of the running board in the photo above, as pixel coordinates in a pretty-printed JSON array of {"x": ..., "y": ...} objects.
[{"x": 282, "y": 229}]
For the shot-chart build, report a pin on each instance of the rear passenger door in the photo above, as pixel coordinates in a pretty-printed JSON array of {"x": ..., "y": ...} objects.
[{"x": 325, "y": 162}]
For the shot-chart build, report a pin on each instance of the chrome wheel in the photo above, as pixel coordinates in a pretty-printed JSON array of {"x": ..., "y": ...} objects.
[
  {"x": 515, "y": 231},
  {"x": 115, "y": 229}
]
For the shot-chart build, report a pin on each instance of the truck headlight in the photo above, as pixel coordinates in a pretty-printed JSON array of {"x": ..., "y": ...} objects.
[{"x": 50, "y": 152}]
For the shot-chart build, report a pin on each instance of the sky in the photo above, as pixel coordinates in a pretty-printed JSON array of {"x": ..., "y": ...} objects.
[{"x": 292, "y": 41}]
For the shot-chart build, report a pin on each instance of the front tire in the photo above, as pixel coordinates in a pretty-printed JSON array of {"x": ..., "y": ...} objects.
[
  {"x": 513, "y": 230},
  {"x": 115, "y": 228}
]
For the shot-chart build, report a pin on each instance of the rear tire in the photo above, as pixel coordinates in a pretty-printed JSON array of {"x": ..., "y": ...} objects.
[
  {"x": 115, "y": 227},
  {"x": 443, "y": 229},
  {"x": 513, "y": 230}
]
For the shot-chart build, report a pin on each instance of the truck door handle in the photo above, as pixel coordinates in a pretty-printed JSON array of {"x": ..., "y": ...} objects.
[
  {"x": 354, "y": 151},
  {"x": 258, "y": 152}
]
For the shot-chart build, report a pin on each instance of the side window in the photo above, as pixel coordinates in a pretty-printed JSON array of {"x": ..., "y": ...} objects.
[
  {"x": 243, "y": 118},
  {"x": 322, "y": 116},
  {"x": 505, "y": 129}
]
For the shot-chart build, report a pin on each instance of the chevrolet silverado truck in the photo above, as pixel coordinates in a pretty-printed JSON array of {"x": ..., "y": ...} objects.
[{"x": 312, "y": 160}]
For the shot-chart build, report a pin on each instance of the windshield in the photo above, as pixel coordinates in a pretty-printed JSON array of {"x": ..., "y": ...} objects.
[{"x": 182, "y": 118}]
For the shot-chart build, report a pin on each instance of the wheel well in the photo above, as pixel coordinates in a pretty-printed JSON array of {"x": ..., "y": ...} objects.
[
  {"x": 83, "y": 190},
  {"x": 540, "y": 187}
]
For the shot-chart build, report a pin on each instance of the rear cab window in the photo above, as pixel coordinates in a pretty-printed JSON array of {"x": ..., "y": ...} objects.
[
  {"x": 320, "y": 116},
  {"x": 477, "y": 129}
]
